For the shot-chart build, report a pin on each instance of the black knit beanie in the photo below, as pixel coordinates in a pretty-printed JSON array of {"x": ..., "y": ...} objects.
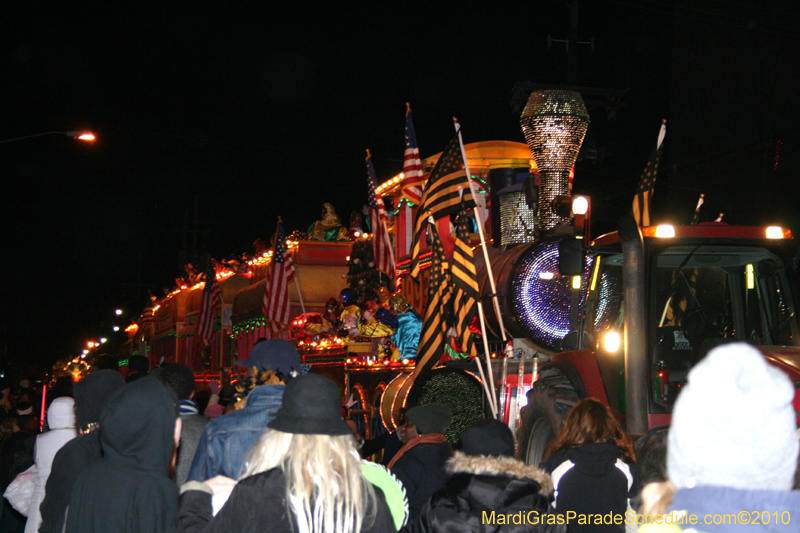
[
  {"x": 430, "y": 418},
  {"x": 488, "y": 437}
]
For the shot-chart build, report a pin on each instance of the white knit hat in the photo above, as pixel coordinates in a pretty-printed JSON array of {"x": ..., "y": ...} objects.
[{"x": 734, "y": 424}]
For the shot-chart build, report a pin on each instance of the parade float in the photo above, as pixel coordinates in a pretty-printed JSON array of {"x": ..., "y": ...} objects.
[
  {"x": 328, "y": 258},
  {"x": 554, "y": 299}
]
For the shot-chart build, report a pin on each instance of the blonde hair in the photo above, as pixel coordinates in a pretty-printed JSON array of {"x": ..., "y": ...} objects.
[
  {"x": 656, "y": 498},
  {"x": 325, "y": 489}
]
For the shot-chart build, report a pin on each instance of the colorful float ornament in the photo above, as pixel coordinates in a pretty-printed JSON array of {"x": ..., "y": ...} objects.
[{"x": 369, "y": 363}]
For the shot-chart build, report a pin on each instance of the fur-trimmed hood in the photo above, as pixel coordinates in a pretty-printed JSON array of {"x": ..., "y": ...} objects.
[{"x": 500, "y": 466}]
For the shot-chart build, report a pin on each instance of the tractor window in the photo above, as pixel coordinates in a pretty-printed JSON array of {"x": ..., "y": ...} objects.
[
  {"x": 769, "y": 313},
  {"x": 706, "y": 295}
]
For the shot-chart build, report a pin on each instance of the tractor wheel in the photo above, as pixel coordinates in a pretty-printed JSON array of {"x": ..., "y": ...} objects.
[{"x": 549, "y": 402}]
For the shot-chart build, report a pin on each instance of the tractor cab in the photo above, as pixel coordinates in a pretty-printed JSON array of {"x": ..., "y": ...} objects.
[
  {"x": 628, "y": 317},
  {"x": 704, "y": 286}
]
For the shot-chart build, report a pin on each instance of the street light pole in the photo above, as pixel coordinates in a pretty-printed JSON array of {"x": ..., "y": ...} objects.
[{"x": 80, "y": 135}]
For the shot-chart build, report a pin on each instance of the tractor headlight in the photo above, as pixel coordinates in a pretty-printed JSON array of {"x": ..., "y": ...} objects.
[{"x": 611, "y": 342}]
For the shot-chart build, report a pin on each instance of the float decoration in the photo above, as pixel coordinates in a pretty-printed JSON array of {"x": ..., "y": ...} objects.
[{"x": 329, "y": 228}]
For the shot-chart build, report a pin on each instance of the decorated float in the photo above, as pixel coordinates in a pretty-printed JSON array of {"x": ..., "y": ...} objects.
[{"x": 350, "y": 321}]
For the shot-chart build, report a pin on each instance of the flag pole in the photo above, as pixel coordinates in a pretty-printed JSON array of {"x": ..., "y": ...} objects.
[
  {"x": 391, "y": 248},
  {"x": 297, "y": 286},
  {"x": 485, "y": 258},
  {"x": 491, "y": 393},
  {"x": 299, "y": 294}
]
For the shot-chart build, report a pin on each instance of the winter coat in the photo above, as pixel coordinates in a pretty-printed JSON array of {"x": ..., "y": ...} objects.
[
  {"x": 192, "y": 431},
  {"x": 61, "y": 420},
  {"x": 490, "y": 494},
  {"x": 591, "y": 480},
  {"x": 393, "y": 490},
  {"x": 72, "y": 459},
  {"x": 129, "y": 490},
  {"x": 227, "y": 439},
  {"x": 421, "y": 469},
  {"x": 91, "y": 394},
  {"x": 766, "y": 511},
  {"x": 257, "y": 504}
]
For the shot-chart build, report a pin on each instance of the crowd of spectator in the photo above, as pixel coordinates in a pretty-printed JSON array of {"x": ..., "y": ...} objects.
[{"x": 273, "y": 452}]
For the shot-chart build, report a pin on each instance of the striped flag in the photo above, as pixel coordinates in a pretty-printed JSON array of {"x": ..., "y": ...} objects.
[
  {"x": 465, "y": 285},
  {"x": 644, "y": 192},
  {"x": 412, "y": 165},
  {"x": 379, "y": 218},
  {"x": 441, "y": 196},
  {"x": 276, "y": 291},
  {"x": 212, "y": 296},
  {"x": 435, "y": 324}
]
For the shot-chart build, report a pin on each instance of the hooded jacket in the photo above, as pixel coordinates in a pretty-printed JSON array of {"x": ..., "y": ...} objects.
[
  {"x": 91, "y": 394},
  {"x": 591, "y": 480},
  {"x": 128, "y": 489},
  {"x": 490, "y": 494},
  {"x": 61, "y": 420}
]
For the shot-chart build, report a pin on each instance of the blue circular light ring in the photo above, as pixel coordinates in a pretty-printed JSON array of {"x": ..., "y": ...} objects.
[{"x": 542, "y": 305}]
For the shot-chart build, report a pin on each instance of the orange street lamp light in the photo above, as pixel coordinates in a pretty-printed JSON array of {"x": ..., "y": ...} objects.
[{"x": 86, "y": 136}]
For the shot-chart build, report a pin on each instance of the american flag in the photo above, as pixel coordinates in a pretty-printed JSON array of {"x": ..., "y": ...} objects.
[
  {"x": 412, "y": 165},
  {"x": 378, "y": 219},
  {"x": 276, "y": 291},
  {"x": 212, "y": 297},
  {"x": 464, "y": 276},
  {"x": 447, "y": 192},
  {"x": 647, "y": 183},
  {"x": 435, "y": 324}
]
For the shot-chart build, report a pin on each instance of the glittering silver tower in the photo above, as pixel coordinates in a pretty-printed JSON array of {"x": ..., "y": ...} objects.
[
  {"x": 517, "y": 220},
  {"x": 554, "y": 124}
]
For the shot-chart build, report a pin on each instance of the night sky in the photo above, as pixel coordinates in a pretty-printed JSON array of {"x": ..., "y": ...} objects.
[{"x": 256, "y": 111}]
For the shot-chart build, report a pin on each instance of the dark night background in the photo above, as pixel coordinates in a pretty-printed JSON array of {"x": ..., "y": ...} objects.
[{"x": 256, "y": 111}]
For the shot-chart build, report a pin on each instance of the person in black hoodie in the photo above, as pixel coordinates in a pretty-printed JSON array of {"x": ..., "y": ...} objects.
[
  {"x": 487, "y": 482},
  {"x": 593, "y": 468},
  {"x": 129, "y": 490},
  {"x": 91, "y": 394}
]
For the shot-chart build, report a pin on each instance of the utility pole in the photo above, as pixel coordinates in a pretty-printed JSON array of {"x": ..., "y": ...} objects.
[
  {"x": 572, "y": 44},
  {"x": 609, "y": 99}
]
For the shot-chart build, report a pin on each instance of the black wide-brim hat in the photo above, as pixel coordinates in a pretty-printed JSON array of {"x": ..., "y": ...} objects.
[{"x": 311, "y": 406}]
